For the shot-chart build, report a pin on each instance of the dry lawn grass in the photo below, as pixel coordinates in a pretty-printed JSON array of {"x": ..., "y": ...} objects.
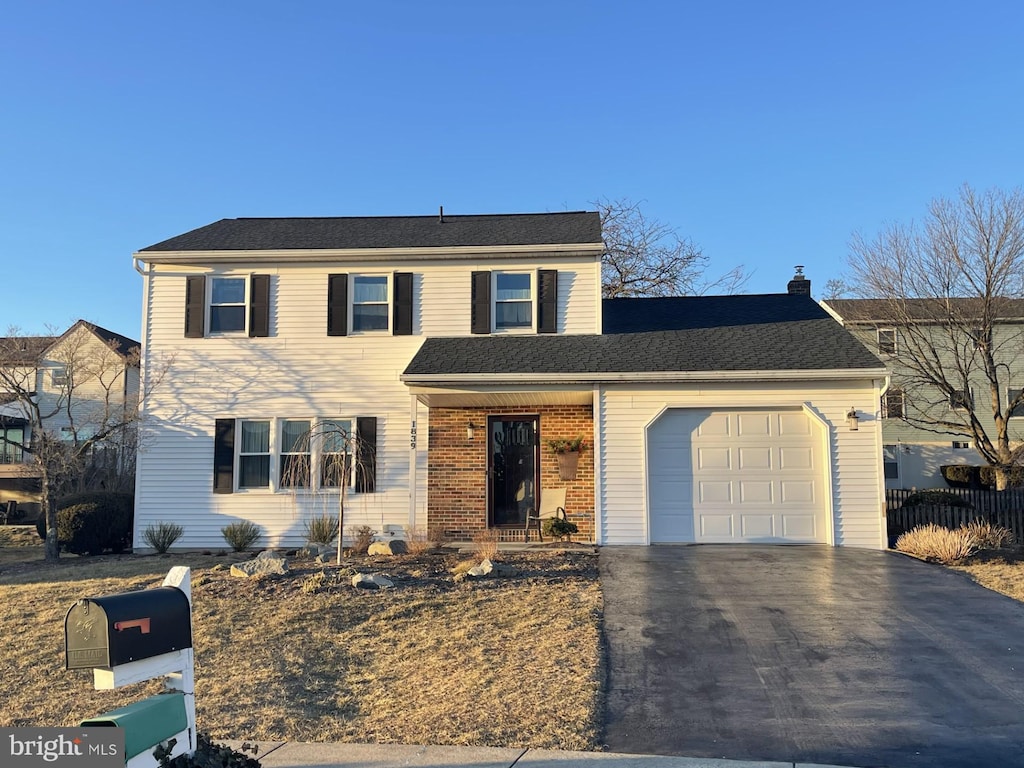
[
  {"x": 1001, "y": 571},
  {"x": 496, "y": 662}
]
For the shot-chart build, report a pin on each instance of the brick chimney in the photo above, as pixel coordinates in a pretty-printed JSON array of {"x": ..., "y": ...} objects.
[{"x": 799, "y": 285}]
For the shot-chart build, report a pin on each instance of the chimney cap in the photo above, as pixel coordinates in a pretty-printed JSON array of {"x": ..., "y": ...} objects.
[{"x": 799, "y": 272}]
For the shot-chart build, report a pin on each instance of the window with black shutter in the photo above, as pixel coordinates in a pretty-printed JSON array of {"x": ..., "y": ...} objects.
[{"x": 337, "y": 305}]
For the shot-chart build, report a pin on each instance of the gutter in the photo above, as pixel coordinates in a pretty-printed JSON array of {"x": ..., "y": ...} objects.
[
  {"x": 307, "y": 255},
  {"x": 828, "y": 374}
]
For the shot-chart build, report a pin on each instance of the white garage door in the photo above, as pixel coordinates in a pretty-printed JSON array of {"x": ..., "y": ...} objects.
[{"x": 735, "y": 476}]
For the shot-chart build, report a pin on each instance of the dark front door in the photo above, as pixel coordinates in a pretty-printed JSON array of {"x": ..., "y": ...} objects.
[{"x": 512, "y": 464}]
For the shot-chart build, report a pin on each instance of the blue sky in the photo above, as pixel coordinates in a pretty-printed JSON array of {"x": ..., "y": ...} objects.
[{"x": 767, "y": 132}]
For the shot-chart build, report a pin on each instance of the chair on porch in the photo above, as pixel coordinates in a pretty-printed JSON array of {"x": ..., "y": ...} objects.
[{"x": 552, "y": 504}]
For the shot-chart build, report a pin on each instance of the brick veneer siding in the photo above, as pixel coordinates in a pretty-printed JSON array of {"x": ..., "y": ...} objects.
[{"x": 457, "y": 469}]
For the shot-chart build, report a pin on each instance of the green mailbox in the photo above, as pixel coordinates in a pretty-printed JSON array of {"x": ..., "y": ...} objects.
[{"x": 146, "y": 723}]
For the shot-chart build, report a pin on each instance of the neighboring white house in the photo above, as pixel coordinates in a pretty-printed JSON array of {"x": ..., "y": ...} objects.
[
  {"x": 912, "y": 453},
  {"x": 452, "y": 349},
  {"x": 69, "y": 385}
]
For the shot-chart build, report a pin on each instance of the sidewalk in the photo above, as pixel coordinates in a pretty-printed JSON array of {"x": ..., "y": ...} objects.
[{"x": 309, "y": 755}]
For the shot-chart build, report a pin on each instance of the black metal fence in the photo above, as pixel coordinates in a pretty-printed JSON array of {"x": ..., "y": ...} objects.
[{"x": 1004, "y": 508}]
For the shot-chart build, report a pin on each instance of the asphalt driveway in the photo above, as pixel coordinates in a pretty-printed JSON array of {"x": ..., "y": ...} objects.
[{"x": 809, "y": 654}]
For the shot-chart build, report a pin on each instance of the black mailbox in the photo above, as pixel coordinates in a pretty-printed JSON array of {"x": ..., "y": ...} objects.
[{"x": 105, "y": 632}]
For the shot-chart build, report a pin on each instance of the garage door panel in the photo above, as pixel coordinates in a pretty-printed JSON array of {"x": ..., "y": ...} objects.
[
  {"x": 757, "y": 476},
  {"x": 753, "y": 425},
  {"x": 757, "y": 526},
  {"x": 756, "y": 492},
  {"x": 755, "y": 458}
]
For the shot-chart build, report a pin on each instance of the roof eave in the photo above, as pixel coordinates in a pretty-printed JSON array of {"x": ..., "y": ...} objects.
[
  {"x": 305, "y": 255},
  {"x": 825, "y": 374}
]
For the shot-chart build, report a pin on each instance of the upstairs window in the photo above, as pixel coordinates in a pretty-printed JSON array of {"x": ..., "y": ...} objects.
[
  {"x": 893, "y": 404},
  {"x": 59, "y": 376},
  {"x": 513, "y": 301},
  {"x": 227, "y": 304},
  {"x": 370, "y": 307},
  {"x": 1013, "y": 395},
  {"x": 961, "y": 400},
  {"x": 887, "y": 341}
]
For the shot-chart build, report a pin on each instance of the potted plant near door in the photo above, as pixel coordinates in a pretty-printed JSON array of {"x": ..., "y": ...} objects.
[{"x": 567, "y": 451}]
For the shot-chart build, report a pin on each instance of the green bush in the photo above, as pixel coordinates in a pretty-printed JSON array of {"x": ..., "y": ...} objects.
[
  {"x": 558, "y": 528},
  {"x": 90, "y": 523},
  {"x": 987, "y": 477},
  {"x": 161, "y": 536},
  {"x": 321, "y": 529},
  {"x": 242, "y": 535},
  {"x": 936, "y": 497},
  {"x": 967, "y": 476}
]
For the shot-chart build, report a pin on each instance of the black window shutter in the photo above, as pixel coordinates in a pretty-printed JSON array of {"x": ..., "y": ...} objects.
[
  {"x": 195, "y": 306},
  {"x": 224, "y": 456},
  {"x": 402, "y": 322},
  {"x": 366, "y": 454},
  {"x": 547, "y": 301},
  {"x": 337, "y": 305},
  {"x": 480, "y": 320},
  {"x": 259, "y": 305}
]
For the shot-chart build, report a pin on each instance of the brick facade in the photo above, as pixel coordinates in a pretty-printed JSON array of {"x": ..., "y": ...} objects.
[{"x": 457, "y": 469}]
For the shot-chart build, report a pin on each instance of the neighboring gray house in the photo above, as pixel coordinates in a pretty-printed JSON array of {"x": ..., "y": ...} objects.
[{"x": 956, "y": 331}]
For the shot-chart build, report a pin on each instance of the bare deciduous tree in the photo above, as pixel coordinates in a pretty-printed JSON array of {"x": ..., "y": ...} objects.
[
  {"x": 646, "y": 257},
  {"x": 950, "y": 288},
  {"x": 79, "y": 407}
]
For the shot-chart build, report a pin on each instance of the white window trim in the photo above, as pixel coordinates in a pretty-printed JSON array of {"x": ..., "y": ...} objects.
[
  {"x": 533, "y": 300},
  {"x": 969, "y": 392},
  {"x": 316, "y": 451},
  {"x": 59, "y": 376},
  {"x": 903, "y": 403},
  {"x": 247, "y": 282},
  {"x": 1009, "y": 413},
  {"x": 352, "y": 304},
  {"x": 895, "y": 341}
]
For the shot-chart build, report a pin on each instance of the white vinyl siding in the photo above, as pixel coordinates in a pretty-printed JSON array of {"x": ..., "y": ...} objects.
[{"x": 854, "y": 480}]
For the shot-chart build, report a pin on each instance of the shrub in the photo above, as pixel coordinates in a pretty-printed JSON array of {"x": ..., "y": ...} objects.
[
  {"x": 987, "y": 477},
  {"x": 89, "y": 523},
  {"x": 557, "y": 528},
  {"x": 418, "y": 540},
  {"x": 321, "y": 529},
  {"x": 486, "y": 544},
  {"x": 935, "y": 497},
  {"x": 362, "y": 537},
  {"x": 241, "y": 535},
  {"x": 161, "y": 536},
  {"x": 988, "y": 536},
  {"x": 960, "y": 475},
  {"x": 567, "y": 445},
  {"x": 934, "y": 543}
]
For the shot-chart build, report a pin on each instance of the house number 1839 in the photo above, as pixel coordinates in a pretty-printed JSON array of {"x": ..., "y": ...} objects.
[{"x": 412, "y": 435}]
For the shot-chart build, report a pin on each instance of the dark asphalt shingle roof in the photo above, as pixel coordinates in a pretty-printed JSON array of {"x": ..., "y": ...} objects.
[
  {"x": 342, "y": 233},
  {"x": 937, "y": 309},
  {"x": 687, "y": 334}
]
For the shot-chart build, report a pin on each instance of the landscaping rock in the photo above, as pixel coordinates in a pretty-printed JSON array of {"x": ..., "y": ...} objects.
[
  {"x": 261, "y": 566},
  {"x": 371, "y": 581},
  {"x": 391, "y": 547},
  {"x": 487, "y": 568}
]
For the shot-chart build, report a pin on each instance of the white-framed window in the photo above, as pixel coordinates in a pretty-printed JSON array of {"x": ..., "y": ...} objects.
[
  {"x": 227, "y": 304},
  {"x": 371, "y": 305},
  {"x": 886, "y": 341},
  {"x": 295, "y": 454},
  {"x": 254, "y": 454},
  {"x": 335, "y": 439},
  {"x": 891, "y": 462},
  {"x": 1014, "y": 394},
  {"x": 59, "y": 376},
  {"x": 12, "y": 443},
  {"x": 894, "y": 404},
  {"x": 513, "y": 301},
  {"x": 961, "y": 400}
]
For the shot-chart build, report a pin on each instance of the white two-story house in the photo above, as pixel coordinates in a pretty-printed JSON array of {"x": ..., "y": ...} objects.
[
  {"x": 451, "y": 349},
  {"x": 72, "y": 386}
]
